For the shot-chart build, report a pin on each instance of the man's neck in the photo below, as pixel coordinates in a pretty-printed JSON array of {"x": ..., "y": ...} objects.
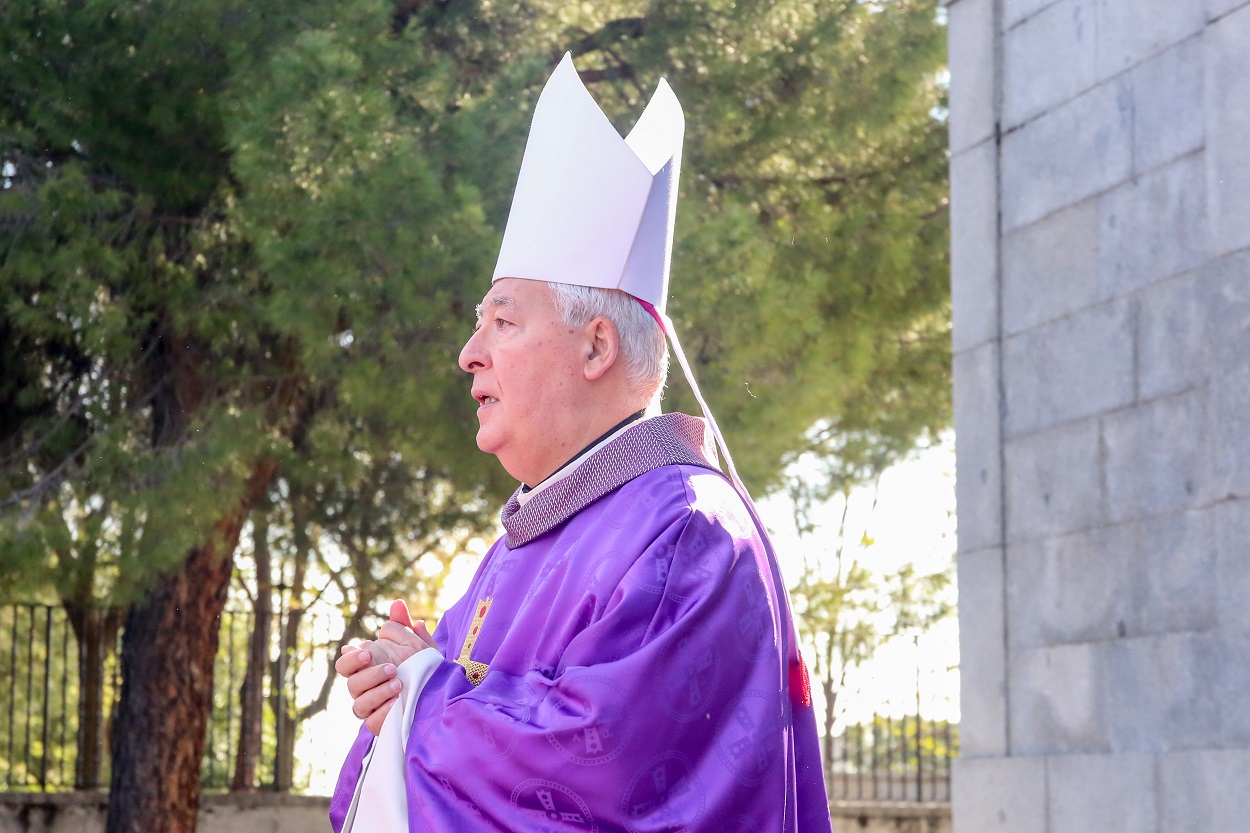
[{"x": 634, "y": 417}]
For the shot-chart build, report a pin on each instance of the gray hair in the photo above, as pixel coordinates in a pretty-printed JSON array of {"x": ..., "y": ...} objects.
[{"x": 643, "y": 348}]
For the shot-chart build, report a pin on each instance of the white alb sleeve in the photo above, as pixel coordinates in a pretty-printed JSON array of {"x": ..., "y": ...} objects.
[{"x": 380, "y": 804}]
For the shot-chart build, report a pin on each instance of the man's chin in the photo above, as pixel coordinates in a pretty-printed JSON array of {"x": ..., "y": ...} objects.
[
  {"x": 487, "y": 443},
  {"x": 506, "y": 461}
]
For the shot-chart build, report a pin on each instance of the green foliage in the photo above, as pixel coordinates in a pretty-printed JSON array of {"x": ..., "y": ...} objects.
[
  {"x": 809, "y": 275},
  {"x": 225, "y": 246},
  {"x": 810, "y": 278},
  {"x": 256, "y": 229}
]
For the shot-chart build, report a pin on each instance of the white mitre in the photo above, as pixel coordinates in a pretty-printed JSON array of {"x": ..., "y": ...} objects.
[
  {"x": 591, "y": 208},
  {"x": 594, "y": 209}
]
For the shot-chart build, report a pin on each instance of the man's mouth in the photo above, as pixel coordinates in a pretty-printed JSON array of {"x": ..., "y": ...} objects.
[{"x": 484, "y": 400}]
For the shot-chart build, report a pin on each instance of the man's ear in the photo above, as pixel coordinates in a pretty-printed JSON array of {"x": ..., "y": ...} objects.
[{"x": 603, "y": 347}]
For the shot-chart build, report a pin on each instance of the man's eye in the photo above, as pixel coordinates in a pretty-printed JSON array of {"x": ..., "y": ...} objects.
[{"x": 500, "y": 323}]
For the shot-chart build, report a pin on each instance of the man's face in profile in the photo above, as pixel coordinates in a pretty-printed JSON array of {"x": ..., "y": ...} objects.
[{"x": 526, "y": 375}]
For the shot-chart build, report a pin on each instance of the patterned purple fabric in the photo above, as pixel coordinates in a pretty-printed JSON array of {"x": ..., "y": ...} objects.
[
  {"x": 666, "y": 440},
  {"x": 637, "y": 659}
]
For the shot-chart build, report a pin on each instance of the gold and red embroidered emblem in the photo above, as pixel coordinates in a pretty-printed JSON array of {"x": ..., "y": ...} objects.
[{"x": 475, "y": 671}]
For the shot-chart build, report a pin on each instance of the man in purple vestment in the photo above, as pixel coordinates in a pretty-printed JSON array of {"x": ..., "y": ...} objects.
[{"x": 625, "y": 657}]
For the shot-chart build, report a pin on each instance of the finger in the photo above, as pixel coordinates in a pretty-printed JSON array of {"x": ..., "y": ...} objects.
[
  {"x": 368, "y": 679},
  {"x": 373, "y": 699},
  {"x": 350, "y": 663},
  {"x": 401, "y": 635},
  {"x": 351, "y": 649},
  {"x": 374, "y": 721},
  {"x": 400, "y": 614},
  {"x": 424, "y": 634}
]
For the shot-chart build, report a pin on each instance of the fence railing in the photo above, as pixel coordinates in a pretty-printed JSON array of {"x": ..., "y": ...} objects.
[
  {"x": 51, "y": 728},
  {"x": 906, "y": 759},
  {"x": 37, "y": 705},
  {"x": 51, "y": 740}
]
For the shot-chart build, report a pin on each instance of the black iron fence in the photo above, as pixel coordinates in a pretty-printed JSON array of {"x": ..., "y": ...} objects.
[
  {"x": 56, "y": 707},
  {"x": 37, "y": 707},
  {"x": 904, "y": 759},
  {"x": 54, "y": 712}
]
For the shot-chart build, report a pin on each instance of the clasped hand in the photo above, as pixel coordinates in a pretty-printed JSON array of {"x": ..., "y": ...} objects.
[{"x": 371, "y": 667}]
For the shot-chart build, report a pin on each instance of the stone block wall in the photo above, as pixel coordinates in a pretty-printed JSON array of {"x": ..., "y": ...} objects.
[{"x": 1100, "y": 198}]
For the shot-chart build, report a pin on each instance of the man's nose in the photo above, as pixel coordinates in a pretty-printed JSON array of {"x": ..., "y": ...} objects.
[{"x": 472, "y": 357}]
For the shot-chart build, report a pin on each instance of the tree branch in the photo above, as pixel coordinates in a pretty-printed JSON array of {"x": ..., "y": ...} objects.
[
  {"x": 611, "y": 33},
  {"x": 616, "y": 73}
]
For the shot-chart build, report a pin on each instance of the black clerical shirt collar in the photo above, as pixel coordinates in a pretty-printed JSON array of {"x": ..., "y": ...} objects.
[{"x": 634, "y": 417}]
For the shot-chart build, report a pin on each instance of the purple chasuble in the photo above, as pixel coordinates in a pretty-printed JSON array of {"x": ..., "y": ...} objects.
[{"x": 624, "y": 660}]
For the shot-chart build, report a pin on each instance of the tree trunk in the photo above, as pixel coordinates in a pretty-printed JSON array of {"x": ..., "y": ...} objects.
[
  {"x": 285, "y": 709},
  {"x": 830, "y": 716},
  {"x": 284, "y": 775},
  {"x": 287, "y": 712},
  {"x": 252, "y": 691},
  {"x": 168, "y": 649},
  {"x": 95, "y": 629},
  {"x": 281, "y": 701}
]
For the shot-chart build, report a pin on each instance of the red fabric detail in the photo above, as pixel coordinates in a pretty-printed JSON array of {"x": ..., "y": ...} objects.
[
  {"x": 651, "y": 309},
  {"x": 800, "y": 683}
]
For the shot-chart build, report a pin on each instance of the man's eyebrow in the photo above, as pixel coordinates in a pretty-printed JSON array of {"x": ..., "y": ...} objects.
[{"x": 496, "y": 301}]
